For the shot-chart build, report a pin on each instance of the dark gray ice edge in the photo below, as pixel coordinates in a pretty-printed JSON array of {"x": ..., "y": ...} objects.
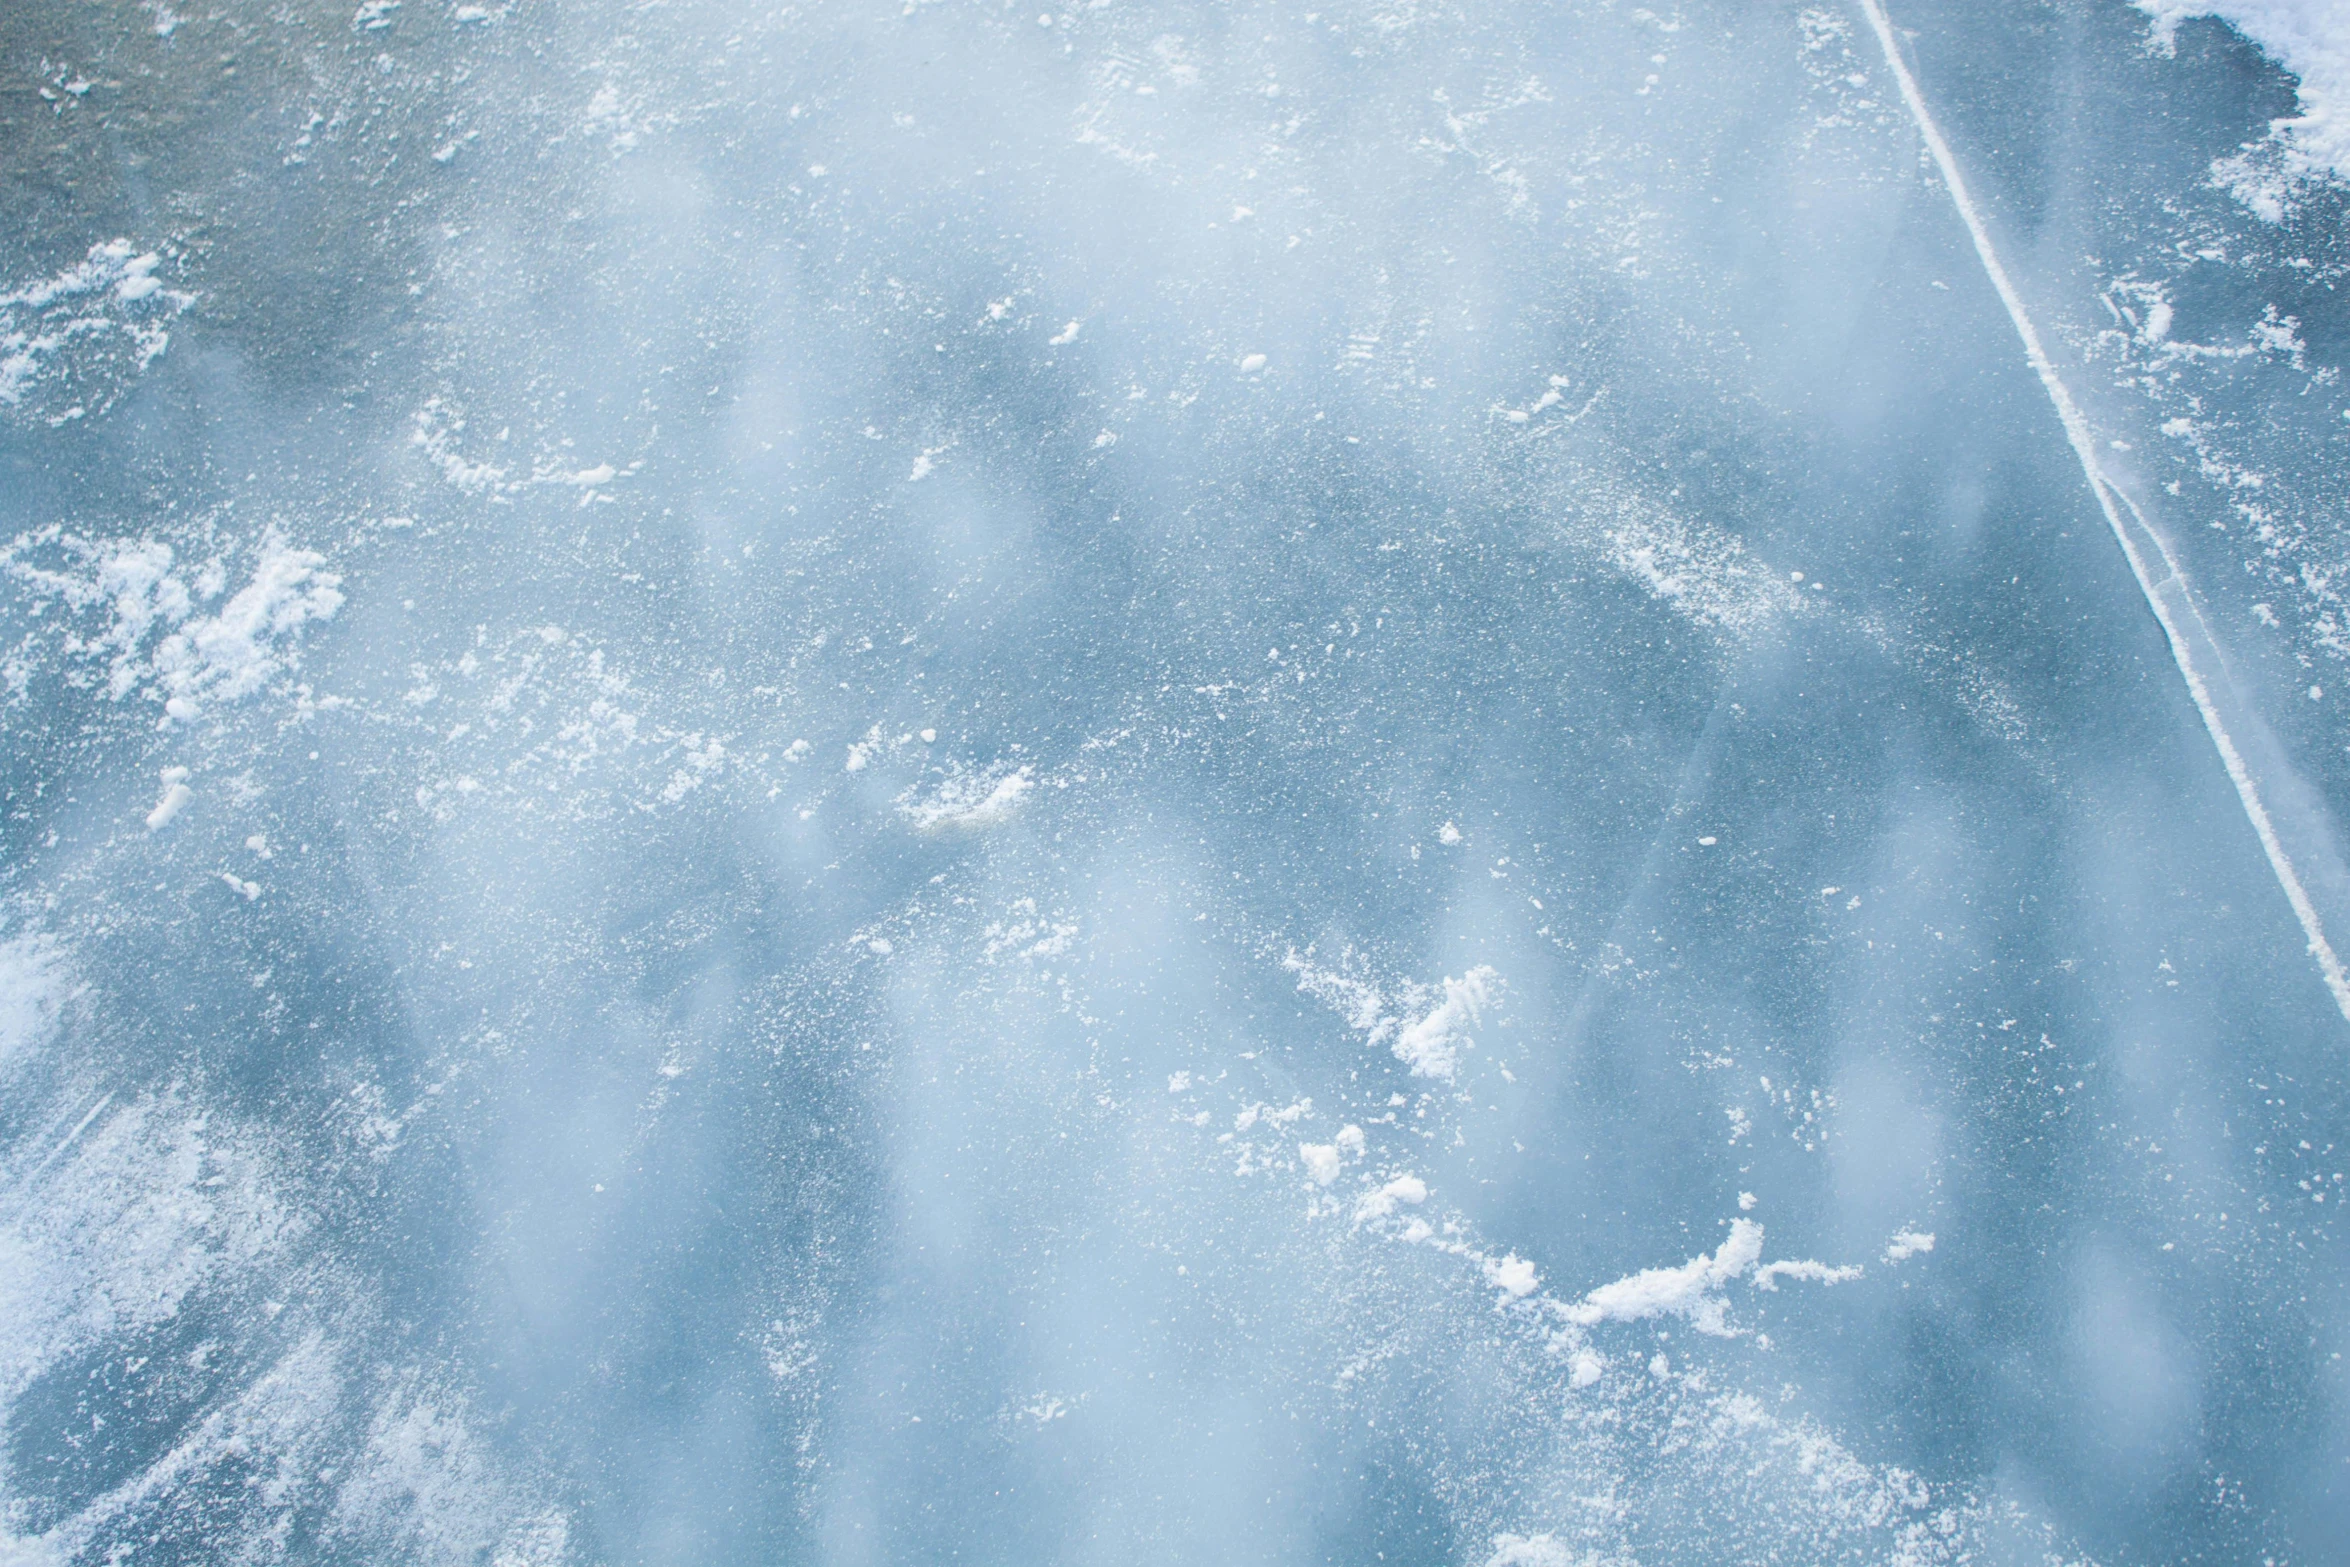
[{"x": 2192, "y": 645}]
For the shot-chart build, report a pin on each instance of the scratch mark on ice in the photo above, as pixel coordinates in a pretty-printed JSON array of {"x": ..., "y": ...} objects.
[{"x": 80, "y": 1127}]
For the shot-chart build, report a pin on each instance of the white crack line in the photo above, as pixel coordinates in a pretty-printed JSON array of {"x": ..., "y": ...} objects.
[{"x": 2176, "y": 623}]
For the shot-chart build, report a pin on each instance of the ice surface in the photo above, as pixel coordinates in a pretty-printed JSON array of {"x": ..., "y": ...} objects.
[{"x": 1169, "y": 783}]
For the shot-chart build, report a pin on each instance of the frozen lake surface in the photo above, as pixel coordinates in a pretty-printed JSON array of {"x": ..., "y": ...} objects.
[{"x": 1509, "y": 786}]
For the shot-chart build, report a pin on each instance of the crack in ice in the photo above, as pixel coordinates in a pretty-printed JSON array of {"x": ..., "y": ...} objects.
[{"x": 2180, "y": 622}]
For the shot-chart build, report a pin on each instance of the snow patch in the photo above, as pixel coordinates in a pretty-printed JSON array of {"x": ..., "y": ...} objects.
[
  {"x": 1691, "y": 1290},
  {"x": 969, "y": 802},
  {"x": 231, "y": 655},
  {"x": 176, "y": 795},
  {"x": 2311, "y": 40},
  {"x": 1379, "y": 1203},
  {"x": 1425, "y": 1028},
  {"x": 1699, "y": 570},
  {"x": 130, "y": 605},
  {"x": 1512, "y": 1274},
  {"x": 1908, "y": 1244},
  {"x": 1430, "y": 1045},
  {"x": 1767, "y": 1276},
  {"x": 70, "y": 345},
  {"x": 1694, "y": 1289}
]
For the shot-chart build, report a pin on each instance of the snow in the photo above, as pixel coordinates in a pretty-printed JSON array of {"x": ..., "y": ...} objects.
[
  {"x": 1381, "y": 1201},
  {"x": 968, "y": 801},
  {"x": 1694, "y": 1289},
  {"x": 71, "y": 343},
  {"x": 1907, "y": 1244},
  {"x": 1532, "y": 1550},
  {"x": 1691, "y": 1290},
  {"x": 140, "y": 609},
  {"x": 2310, "y": 39},
  {"x": 1701, "y": 571},
  {"x": 1426, "y": 1028},
  {"x": 1430, "y": 1045},
  {"x": 229, "y": 656},
  {"x": 176, "y": 795},
  {"x": 1513, "y": 1275},
  {"x": 1768, "y": 1275}
]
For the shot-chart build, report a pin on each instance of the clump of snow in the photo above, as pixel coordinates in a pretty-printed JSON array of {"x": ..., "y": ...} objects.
[
  {"x": 969, "y": 801},
  {"x": 1908, "y": 1244},
  {"x": 1430, "y": 1044},
  {"x": 1512, "y": 1274},
  {"x": 2309, "y": 38},
  {"x": 1425, "y": 1028},
  {"x": 176, "y": 795},
  {"x": 1767, "y": 1276},
  {"x": 1324, "y": 1161},
  {"x": 1693, "y": 1290},
  {"x": 1379, "y": 1203},
  {"x": 1288, "y": 1115}
]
